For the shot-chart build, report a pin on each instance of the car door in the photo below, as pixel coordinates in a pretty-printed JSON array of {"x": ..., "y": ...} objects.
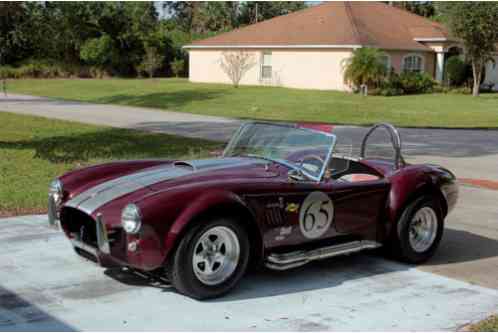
[{"x": 307, "y": 211}]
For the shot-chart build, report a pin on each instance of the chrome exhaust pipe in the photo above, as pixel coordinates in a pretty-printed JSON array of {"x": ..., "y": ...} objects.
[{"x": 283, "y": 261}]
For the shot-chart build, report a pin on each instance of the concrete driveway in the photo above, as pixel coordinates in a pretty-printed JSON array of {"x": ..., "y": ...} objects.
[{"x": 45, "y": 286}]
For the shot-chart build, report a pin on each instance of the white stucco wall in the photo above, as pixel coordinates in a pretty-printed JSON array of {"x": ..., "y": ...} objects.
[
  {"x": 293, "y": 68},
  {"x": 492, "y": 73}
]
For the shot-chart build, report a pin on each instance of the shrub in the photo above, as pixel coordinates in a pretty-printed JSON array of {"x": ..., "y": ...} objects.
[
  {"x": 365, "y": 67},
  {"x": 417, "y": 83},
  {"x": 98, "y": 52},
  {"x": 407, "y": 83},
  {"x": 456, "y": 71},
  {"x": 177, "y": 67},
  {"x": 8, "y": 72}
]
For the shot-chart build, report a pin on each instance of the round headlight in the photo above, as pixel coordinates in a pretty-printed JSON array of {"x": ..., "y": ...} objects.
[
  {"x": 131, "y": 219},
  {"x": 55, "y": 191}
]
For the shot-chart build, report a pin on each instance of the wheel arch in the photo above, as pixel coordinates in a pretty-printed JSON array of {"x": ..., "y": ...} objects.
[
  {"x": 216, "y": 204},
  {"x": 402, "y": 195}
]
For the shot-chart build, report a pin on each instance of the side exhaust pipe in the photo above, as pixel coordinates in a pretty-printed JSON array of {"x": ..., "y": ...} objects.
[{"x": 283, "y": 261}]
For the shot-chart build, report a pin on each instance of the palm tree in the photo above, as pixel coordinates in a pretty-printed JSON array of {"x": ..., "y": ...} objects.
[{"x": 365, "y": 67}]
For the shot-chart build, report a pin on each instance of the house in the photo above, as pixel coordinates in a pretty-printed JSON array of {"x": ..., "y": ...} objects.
[{"x": 308, "y": 48}]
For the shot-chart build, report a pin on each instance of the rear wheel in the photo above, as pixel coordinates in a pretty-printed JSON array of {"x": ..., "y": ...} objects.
[
  {"x": 419, "y": 231},
  {"x": 210, "y": 259}
]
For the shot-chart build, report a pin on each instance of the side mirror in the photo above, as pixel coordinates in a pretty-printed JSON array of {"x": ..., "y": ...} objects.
[{"x": 296, "y": 175}]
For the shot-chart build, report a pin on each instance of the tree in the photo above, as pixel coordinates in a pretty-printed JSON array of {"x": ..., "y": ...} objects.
[
  {"x": 98, "y": 52},
  {"x": 152, "y": 61},
  {"x": 475, "y": 24},
  {"x": 177, "y": 66},
  {"x": 203, "y": 17},
  {"x": 365, "y": 66},
  {"x": 456, "y": 71},
  {"x": 236, "y": 65},
  {"x": 256, "y": 11},
  {"x": 422, "y": 8}
]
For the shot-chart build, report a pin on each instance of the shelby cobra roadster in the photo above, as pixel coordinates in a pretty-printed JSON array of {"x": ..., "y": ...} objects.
[{"x": 279, "y": 196}]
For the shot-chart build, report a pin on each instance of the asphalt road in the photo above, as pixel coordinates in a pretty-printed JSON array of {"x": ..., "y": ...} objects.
[
  {"x": 45, "y": 286},
  {"x": 432, "y": 142}
]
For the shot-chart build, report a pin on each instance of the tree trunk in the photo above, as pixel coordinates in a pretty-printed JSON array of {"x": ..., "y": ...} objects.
[{"x": 476, "y": 71}]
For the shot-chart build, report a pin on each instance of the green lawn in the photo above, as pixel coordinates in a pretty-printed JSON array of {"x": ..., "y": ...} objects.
[
  {"x": 35, "y": 150},
  {"x": 431, "y": 110}
]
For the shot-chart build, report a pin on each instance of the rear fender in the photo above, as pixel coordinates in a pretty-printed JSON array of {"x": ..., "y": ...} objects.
[
  {"x": 206, "y": 203},
  {"x": 407, "y": 185}
]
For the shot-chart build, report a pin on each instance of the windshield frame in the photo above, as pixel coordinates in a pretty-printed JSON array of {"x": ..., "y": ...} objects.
[{"x": 318, "y": 178}]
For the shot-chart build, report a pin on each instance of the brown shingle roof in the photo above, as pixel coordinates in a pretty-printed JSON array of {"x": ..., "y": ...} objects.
[{"x": 336, "y": 23}]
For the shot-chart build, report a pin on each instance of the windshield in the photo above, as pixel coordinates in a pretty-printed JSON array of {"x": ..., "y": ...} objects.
[{"x": 299, "y": 148}]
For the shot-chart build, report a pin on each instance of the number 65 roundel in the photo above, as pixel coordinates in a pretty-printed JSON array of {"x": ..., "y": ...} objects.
[{"x": 316, "y": 214}]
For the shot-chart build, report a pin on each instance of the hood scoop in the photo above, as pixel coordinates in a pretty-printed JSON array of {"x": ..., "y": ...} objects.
[{"x": 184, "y": 164}]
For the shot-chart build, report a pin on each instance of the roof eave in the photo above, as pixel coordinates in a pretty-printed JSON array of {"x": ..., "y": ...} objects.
[
  {"x": 431, "y": 39},
  {"x": 276, "y": 46}
]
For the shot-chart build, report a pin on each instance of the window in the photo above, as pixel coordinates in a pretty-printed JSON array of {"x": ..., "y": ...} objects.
[
  {"x": 266, "y": 68},
  {"x": 385, "y": 59},
  {"x": 413, "y": 63}
]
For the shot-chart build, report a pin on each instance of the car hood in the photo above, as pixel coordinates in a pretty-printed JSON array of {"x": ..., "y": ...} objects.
[{"x": 160, "y": 177}]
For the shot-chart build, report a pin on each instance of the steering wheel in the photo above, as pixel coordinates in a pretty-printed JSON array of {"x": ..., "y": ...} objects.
[{"x": 312, "y": 163}]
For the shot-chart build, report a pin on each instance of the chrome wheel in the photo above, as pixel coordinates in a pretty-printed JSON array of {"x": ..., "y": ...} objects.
[
  {"x": 423, "y": 229},
  {"x": 216, "y": 255}
]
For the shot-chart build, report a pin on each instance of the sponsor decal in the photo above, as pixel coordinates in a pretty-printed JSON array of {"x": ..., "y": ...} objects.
[
  {"x": 316, "y": 214},
  {"x": 292, "y": 207},
  {"x": 279, "y": 204},
  {"x": 284, "y": 232}
]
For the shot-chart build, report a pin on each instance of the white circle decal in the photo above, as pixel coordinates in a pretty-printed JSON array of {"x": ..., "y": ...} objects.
[{"x": 315, "y": 215}]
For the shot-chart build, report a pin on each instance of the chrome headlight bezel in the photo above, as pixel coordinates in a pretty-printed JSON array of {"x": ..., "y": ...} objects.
[
  {"x": 131, "y": 219},
  {"x": 56, "y": 191}
]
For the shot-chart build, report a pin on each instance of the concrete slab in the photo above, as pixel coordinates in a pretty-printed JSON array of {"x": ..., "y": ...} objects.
[{"x": 45, "y": 286}]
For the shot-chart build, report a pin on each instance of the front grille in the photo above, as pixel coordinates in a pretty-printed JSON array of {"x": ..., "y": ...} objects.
[{"x": 79, "y": 225}]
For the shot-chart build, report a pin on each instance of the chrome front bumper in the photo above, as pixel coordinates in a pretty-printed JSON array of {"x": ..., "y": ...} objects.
[{"x": 53, "y": 215}]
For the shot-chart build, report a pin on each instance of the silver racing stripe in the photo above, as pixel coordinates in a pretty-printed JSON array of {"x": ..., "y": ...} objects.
[{"x": 97, "y": 196}]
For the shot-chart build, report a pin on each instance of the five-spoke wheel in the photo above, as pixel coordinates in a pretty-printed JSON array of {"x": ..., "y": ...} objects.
[
  {"x": 419, "y": 230},
  {"x": 216, "y": 255},
  {"x": 210, "y": 259}
]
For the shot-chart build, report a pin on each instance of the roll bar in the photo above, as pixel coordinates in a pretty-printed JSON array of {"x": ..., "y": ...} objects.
[{"x": 395, "y": 140}]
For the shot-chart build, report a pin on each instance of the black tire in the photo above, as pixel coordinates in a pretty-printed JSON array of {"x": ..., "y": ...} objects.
[
  {"x": 400, "y": 245},
  {"x": 180, "y": 271}
]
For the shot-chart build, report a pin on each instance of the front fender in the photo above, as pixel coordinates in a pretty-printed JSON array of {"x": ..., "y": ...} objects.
[{"x": 202, "y": 204}]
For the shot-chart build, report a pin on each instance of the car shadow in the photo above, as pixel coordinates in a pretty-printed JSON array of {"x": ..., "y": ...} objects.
[
  {"x": 137, "y": 279},
  {"x": 459, "y": 246},
  {"x": 17, "y": 313},
  {"x": 456, "y": 247}
]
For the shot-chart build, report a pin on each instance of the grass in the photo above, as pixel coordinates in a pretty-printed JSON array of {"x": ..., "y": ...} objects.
[
  {"x": 35, "y": 150},
  {"x": 274, "y": 103},
  {"x": 488, "y": 325}
]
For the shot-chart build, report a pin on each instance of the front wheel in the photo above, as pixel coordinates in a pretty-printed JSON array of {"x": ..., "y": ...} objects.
[
  {"x": 210, "y": 259},
  {"x": 419, "y": 231}
]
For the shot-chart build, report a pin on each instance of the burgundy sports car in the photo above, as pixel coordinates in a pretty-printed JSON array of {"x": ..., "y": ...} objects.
[{"x": 280, "y": 196}]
